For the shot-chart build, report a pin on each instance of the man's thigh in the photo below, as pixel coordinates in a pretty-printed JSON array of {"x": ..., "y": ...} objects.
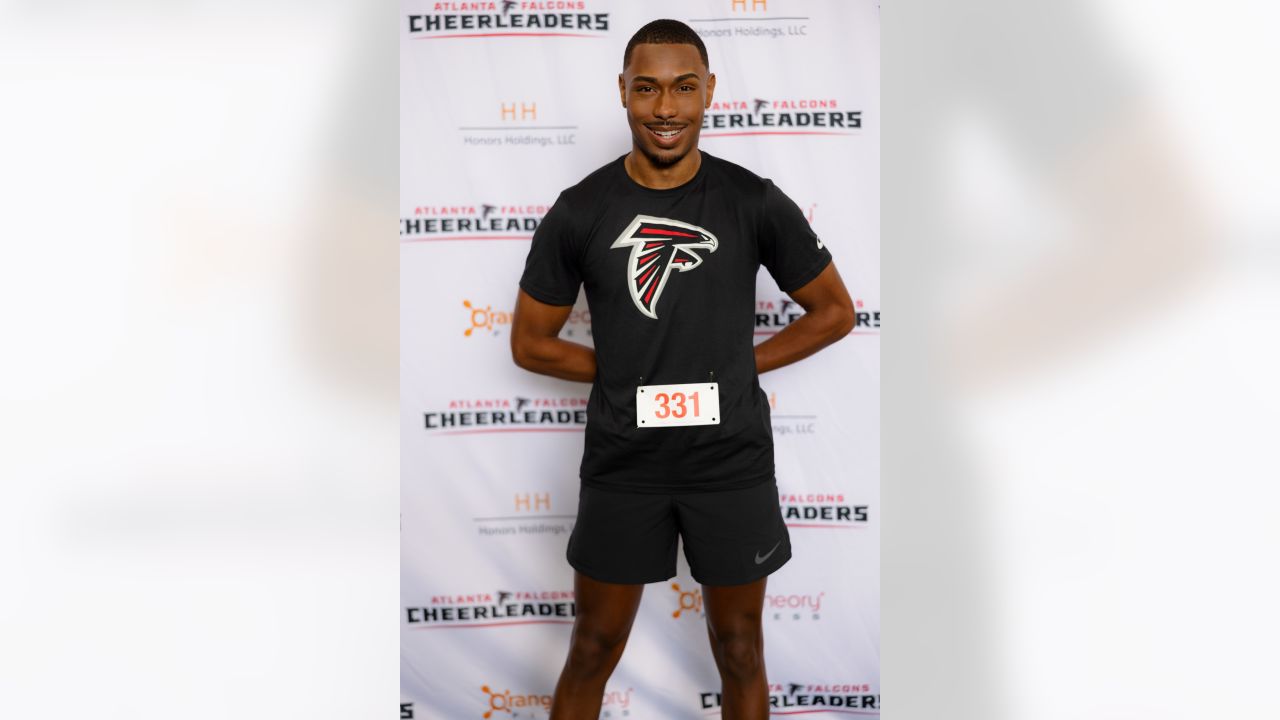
[
  {"x": 605, "y": 610},
  {"x": 734, "y": 611}
]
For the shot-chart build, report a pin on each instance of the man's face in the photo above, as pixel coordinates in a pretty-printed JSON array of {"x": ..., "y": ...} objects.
[{"x": 665, "y": 89}]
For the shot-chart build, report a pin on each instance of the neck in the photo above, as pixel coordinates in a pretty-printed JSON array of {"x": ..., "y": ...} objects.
[{"x": 643, "y": 171}]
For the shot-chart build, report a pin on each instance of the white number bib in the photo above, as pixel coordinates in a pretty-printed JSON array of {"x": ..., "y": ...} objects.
[{"x": 676, "y": 405}]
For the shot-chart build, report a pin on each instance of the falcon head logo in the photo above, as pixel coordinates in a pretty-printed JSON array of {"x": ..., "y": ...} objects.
[
  {"x": 760, "y": 104},
  {"x": 658, "y": 246},
  {"x": 794, "y": 688},
  {"x": 502, "y": 596}
]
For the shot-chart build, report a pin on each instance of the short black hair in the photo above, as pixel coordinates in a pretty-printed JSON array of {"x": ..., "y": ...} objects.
[{"x": 665, "y": 32}]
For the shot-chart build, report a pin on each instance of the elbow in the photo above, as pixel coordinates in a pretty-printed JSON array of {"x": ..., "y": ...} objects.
[
  {"x": 846, "y": 319},
  {"x": 519, "y": 352},
  {"x": 527, "y": 353}
]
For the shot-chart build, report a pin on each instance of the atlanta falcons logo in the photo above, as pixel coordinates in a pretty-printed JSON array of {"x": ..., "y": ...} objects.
[{"x": 658, "y": 246}]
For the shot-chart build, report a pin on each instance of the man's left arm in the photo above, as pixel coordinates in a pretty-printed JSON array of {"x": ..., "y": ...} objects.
[{"x": 828, "y": 316}]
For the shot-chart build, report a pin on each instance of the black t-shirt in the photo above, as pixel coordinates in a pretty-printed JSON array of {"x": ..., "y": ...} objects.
[{"x": 670, "y": 279}]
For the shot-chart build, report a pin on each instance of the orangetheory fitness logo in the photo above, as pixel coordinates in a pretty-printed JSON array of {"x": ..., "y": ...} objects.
[
  {"x": 484, "y": 320},
  {"x": 789, "y": 606},
  {"x": 514, "y": 704},
  {"x": 509, "y": 18},
  {"x": 784, "y": 606},
  {"x": 615, "y": 703},
  {"x": 689, "y": 601},
  {"x": 658, "y": 246}
]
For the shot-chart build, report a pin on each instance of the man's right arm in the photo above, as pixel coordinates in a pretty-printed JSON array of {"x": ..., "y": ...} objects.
[{"x": 537, "y": 347}]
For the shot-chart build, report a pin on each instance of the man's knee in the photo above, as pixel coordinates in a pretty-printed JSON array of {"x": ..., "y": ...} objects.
[
  {"x": 740, "y": 654},
  {"x": 595, "y": 649}
]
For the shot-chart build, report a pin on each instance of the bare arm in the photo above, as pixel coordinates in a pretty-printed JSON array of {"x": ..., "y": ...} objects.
[
  {"x": 537, "y": 347},
  {"x": 828, "y": 316}
]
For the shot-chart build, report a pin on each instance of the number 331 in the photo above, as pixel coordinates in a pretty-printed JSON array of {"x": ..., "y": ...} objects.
[{"x": 674, "y": 405}]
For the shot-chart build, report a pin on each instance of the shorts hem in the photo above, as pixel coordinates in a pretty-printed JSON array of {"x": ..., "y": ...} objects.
[{"x": 615, "y": 578}]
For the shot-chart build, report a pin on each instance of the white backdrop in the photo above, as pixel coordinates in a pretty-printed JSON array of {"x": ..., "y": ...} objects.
[{"x": 501, "y": 108}]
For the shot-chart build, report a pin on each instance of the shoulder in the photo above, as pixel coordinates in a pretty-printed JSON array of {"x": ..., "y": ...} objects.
[
  {"x": 587, "y": 191},
  {"x": 740, "y": 178},
  {"x": 577, "y": 208},
  {"x": 747, "y": 184}
]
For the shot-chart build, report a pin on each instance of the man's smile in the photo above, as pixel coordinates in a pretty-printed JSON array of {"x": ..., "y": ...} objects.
[{"x": 666, "y": 135}]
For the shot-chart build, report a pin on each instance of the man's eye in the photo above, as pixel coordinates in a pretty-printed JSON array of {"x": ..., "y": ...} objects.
[{"x": 688, "y": 87}]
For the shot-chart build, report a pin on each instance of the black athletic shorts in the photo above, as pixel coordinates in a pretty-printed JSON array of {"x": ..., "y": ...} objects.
[{"x": 730, "y": 537}]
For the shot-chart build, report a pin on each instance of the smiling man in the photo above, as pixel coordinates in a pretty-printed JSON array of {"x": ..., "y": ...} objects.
[{"x": 667, "y": 242}]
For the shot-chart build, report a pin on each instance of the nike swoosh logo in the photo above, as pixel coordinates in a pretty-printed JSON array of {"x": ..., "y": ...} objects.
[{"x": 760, "y": 559}]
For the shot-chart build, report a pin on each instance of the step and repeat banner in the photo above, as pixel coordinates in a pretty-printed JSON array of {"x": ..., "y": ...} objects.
[{"x": 503, "y": 105}]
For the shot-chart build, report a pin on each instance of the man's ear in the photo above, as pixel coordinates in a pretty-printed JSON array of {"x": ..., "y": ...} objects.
[
  {"x": 622, "y": 90},
  {"x": 711, "y": 88}
]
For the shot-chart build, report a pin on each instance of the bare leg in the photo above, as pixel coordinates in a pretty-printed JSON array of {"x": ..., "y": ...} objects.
[
  {"x": 605, "y": 612},
  {"x": 737, "y": 642}
]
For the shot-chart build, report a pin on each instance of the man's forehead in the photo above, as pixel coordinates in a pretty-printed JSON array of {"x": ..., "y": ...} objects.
[{"x": 665, "y": 59}]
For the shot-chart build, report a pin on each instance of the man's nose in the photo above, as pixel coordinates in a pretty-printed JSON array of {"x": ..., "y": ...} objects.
[{"x": 665, "y": 108}]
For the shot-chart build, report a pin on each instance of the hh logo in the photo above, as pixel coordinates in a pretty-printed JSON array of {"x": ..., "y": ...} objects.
[
  {"x": 527, "y": 111},
  {"x": 690, "y": 600},
  {"x": 527, "y": 502},
  {"x": 658, "y": 246}
]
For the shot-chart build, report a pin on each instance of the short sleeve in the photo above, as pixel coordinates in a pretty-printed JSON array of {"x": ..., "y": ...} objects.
[
  {"x": 551, "y": 271},
  {"x": 789, "y": 248}
]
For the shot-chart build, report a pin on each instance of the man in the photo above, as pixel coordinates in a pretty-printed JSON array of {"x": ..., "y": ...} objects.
[{"x": 667, "y": 241}]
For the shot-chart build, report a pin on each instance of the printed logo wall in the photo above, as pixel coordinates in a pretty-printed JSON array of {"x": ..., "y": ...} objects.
[{"x": 503, "y": 105}]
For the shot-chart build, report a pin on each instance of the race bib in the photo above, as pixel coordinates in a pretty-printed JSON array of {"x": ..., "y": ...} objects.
[{"x": 659, "y": 406}]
